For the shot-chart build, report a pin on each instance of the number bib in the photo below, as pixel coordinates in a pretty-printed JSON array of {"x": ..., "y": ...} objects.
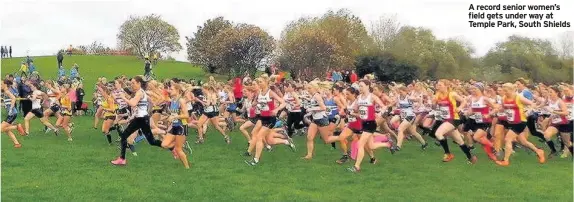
[
  {"x": 363, "y": 112},
  {"x": 477, "y": 116},
  {"x": 209, "y": 109},
  {"x": 509, "y": 115},
  {"x": 556, "y": 119},
  {"x": 444, "y": 112}
]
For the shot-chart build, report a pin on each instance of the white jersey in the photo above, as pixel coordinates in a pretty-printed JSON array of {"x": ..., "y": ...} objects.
[
  {"x": 36, "y": 99},
  {"x": 291, "y": 103},
  {"x": 142, "y": 106},
  {"x": 314, "y": 105}
]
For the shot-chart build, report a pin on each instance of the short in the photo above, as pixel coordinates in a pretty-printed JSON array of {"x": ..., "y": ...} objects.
[
  {"x": 253, "y": 120},
  {"x": 516, "y": 128},
  {"x": 268, "y": 122},
  {"x": 67, "y": 113},
  {"x": 111, "y": 117},
  {"x": 55, "y": 108},
  {"x": 502, "y": 123},
  {"x": 455, "y": 123},
  {"x": 565, "y": 128},
  {"x": 197, "y": 108},
  {"x": 471, "y": 125},
  {"x": 177, "y": 130},
  {"x": 38, "y": 113},
  {"x": 408, "y": 118},
  {"x": 239, "y": 102},
  {"x": 11, "y": 118},
  {"x": 321, "y": 122},
  {"x": 369, "y": 126},
  {"x": 156, "y": 110},
  {"x": 210, "y": 114}
]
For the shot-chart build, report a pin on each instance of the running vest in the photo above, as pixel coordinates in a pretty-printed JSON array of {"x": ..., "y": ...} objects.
[
  {"x": 569, "y": 104},
  {"x": 514, "y": 110},
  {"x": 210, "y": 108},
  {"x": 223, "y": 97},
  {"x": 366, "y": 108},
  {"x": 291, "y": 103},
  {"x": 313, "y": 105},
  {"x": 8, "y": 104},
  {"x": 36, "y": 99},
  {"x": 52, "y": 97},
  {"x": 142, "y": 106},
  {"x": 174, "y": 110},
  {"x": 479, "y": 110},
  {"x": 122, "y": 104},
  {"x": 251, "y": 109},
  {"x": 406, "y": 107},
  {"x": 554, "y": 118},
  {"x": 354, "y": 123},
  {"x": 332, "y": 108},
  {"x": 447, "y": 105},
  {"x": 265, "y": 104}
]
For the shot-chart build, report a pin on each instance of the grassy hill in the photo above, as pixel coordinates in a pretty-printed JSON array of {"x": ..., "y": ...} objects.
[{"x": 48, "y": 168}]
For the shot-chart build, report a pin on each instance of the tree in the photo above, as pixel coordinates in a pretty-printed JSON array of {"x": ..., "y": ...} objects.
[
  {"x": 147, "y": 35},
  {"x": 386, "y": 68},
  {"x": 313, "y": 46},
  {"x": 384, "y": 30},
  {"x": 565, "y": 44},
  {"x": 200, "y": 46},
  {"x": 241, "y": 48}
]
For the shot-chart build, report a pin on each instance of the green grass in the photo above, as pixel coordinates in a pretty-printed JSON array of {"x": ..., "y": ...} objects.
[{"x": 48, "y": 168}]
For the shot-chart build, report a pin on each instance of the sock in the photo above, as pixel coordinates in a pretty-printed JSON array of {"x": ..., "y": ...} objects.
[
  {"x": 333, "y": 145},
  {"x": 466, "y": 151},
  {"x": 132, "y": 147},
  {"x": 109, "y": 138},
  {"x": 550, "y": 144},
  {"x": 444, "y": 145},
  {"x": 171, "y": 149},
  {"x": 337, "y": 133},
  {"x": 570, "y": 148}
]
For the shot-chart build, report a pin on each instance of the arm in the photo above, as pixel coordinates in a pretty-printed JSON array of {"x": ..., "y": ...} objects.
[
  {"x": 282, "y": 103},
  {"x": 460, "y": 99},
  {"x": 133, "y": 102},
  {"x": 563, "y": 109},
  {"x": 341, "y": 104}
]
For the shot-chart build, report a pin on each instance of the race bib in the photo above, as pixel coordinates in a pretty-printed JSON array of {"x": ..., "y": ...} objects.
[
  {"x": 352, "y": 119},
  {"x": 444, "y": 112},
  {"x": 477, "y": 117},
  {"x": 363, "y": 112},
  {"x": 263, "y": 107},
  {"x": 509, "y": 115},
  {"x": 556, "y": 119},
  {"x": 209, "y": 109}
]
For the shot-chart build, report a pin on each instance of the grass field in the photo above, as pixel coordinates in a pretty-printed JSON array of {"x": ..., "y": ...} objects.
[{"x": 48, "y": 168}]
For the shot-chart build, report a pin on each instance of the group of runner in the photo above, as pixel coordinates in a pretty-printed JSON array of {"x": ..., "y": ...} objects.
[{"x": 361, "y": 117}]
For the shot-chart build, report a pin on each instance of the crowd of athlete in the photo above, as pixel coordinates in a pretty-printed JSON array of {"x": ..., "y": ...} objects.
[{"x": 362, "y": 117}]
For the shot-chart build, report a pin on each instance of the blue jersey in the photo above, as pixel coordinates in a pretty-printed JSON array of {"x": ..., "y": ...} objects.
[
  {"x": 8, "y": 105},
  {"x": 332, "y": 108},
  {"x": 174, "y": 109}
]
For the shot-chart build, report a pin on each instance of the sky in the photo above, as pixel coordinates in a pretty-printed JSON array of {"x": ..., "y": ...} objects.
[{"x": 41, "y": 27}]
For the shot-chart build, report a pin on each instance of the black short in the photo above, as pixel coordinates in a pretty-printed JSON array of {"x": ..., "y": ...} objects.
[
  {"x": 408, "y": 118},
  {"x": 38, "y": 113},
  {"x": 565, "y": 128},
  {"x": 110, "y": 117},
  {"x": 471, "y": 125},
  {"x": 177, "y": 130},
  {"x": 67, "y": 113},
  {"x": 268, "y": 122},
  {"x": 197, "y": 108},
  {"x": 239, "y": 102},
  {"x": 55, "y": 108},
  {"x": 333, "y": 120},
  {"x": 11, "y": 118},
  {"x": 369, "y": 126},
  {"x": 516, "y": 128},
  {"x": 123, "y": 111},
  {"x": 455, "y": 123},
  {"x": 502, "y": 123},
  {"x": 159, "y": 111},
  {"x": 321, "y": 122},
  {"x": 355, "y": 131},
  {"x": 210, "y": 114}
]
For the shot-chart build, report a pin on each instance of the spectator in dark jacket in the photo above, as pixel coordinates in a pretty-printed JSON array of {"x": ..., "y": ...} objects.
[
  {"x": 10, "y": 51},
  {"x": 25, "y": 91},
  {"x": 60, "y": 58}
]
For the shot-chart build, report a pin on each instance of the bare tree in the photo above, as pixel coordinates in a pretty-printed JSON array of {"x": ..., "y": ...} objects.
[
  {"x": 384, "y": 30},
  {"x": 565, "y": 44}
]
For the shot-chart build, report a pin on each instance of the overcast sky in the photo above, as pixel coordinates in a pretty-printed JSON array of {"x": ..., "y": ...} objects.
[{"x": 43, "y": 26}]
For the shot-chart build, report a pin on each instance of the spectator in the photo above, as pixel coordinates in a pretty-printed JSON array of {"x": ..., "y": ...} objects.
[
  {"x": 25, "y": 91},
  {"x": 2, "y": 52},
  {"x": 147, "y": 67},
  {"x": 337, "y": 76},
  {"x": 73, "y": 98},
  {"x": 29, "y": 60},
  {"x": 60, "y": 58},
  {"x": 10, "y": 51},
  {"x": 74, "y": 73},
  {"x": 70, "y": 50},
  {"x": 80, "y": 97},
  {"x": 347, "y": 77},
  {"x": 61, "y": 72},
  {"x": 31, "y": 68},
  {"x": 353, "y": 78},
  {"x": 23, "y": 69}
]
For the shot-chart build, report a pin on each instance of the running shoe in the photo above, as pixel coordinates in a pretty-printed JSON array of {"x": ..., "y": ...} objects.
[
  {"x": 502, "y": 163},
  {"x": 227, "y": 139},
  {"x": 119, "y": 162},
  {"x": 138, "y": 139},
  {"x": 187, "y": 147},
  {"x": 246, "y": 154},
  {"x": 291, "y": 145},
  {"x": 251, "y": 162},
  {"x": 56, "y": 132},
  {"x": 21, "y": 130},
  {"x": 373, "y": 161},
  {"x": 199, "y": 141},
  {"x": 541, "y": 157},
  {"x": 47, "y": 130},
  {"x": 70, "y": 139},
  {"x": 447, "y": 157},
  {"x": 565, "y": 154},
  {"x": 17, "y": 145},
  {"x": 134, "y": 153},
  {"x": 343, "y": 159},
  {"x": 424, "y": 146},
  {"x": 354, "y": 169},
  {"x": 472, "y": 160},
  {"x": 268, "y": 148}
]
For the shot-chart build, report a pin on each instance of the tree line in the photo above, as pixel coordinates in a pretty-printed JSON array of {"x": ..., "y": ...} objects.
[{"x": 338, "y": 40}]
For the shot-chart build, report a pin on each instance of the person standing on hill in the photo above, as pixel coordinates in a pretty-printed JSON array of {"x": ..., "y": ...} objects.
[
  {"x": 60, "y": 58},
  {"x": 147, "y": 67},
  {"x": 10, "y": 51},
  {"x": 2, "y": 52}
]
